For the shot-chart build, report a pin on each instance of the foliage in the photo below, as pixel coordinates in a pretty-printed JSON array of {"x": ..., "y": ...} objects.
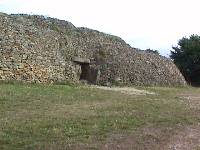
[
  {"x": 152, "y": 51},
  {"x": 187, "y": 58}
]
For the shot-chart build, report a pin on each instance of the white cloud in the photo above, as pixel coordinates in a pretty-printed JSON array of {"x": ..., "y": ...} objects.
[{"x": 155, "y": 24}]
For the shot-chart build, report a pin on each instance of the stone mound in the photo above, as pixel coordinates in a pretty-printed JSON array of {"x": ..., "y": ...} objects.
[{"x": 42, "y": 49}]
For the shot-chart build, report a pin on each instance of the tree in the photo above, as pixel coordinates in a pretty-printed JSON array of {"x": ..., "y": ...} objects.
[{"x": 187, "y": 58}]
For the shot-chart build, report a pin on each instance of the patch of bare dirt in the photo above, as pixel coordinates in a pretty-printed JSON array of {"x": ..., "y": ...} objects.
[
  {"x": 148, "y": 138},
  {"x": 187, "y": 139},
  {"x": 124, "y": 90},
  {"x": 193, "y": 101}
]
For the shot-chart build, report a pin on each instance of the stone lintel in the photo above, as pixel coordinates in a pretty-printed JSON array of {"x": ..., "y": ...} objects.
[{"x": 81, "y": 60}]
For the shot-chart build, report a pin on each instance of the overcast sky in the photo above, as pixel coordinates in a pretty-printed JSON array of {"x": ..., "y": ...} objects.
[{"x": 155, "y": 24}]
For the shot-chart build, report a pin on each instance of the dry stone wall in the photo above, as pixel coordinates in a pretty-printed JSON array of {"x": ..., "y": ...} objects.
[
  {"x": 123, "y": 64},
  {"x": 39, "y": 49}
]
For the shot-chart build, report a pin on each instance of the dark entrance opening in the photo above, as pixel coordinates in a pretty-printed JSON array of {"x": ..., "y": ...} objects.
[
  {"x": 85, "y": 72},
  {"x": 88, "y": 73}
]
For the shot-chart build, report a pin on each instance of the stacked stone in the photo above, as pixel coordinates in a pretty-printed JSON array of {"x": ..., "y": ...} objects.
[{"x": 41, "y": 49}]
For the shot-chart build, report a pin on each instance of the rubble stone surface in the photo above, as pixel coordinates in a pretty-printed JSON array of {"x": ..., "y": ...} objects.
[{"x": 41, "y": 49}]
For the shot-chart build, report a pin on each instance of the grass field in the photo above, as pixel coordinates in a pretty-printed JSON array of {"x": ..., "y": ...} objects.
[{"x": 51, "y": 117}]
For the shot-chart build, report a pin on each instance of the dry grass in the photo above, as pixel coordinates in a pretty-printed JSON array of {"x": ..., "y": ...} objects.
[{"x": 124, "y": 90}]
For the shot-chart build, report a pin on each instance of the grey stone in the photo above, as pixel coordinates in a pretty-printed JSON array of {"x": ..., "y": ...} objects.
[
  {"x": 81, "y": 60},
  {"x": 39, "y": 49}
]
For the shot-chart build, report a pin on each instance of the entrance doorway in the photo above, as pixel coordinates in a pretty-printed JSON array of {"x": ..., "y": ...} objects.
[{"x": 88, "y": 73}]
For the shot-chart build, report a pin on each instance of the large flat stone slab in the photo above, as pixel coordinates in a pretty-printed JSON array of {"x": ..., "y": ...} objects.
[{"x": 81, "y": 60}]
